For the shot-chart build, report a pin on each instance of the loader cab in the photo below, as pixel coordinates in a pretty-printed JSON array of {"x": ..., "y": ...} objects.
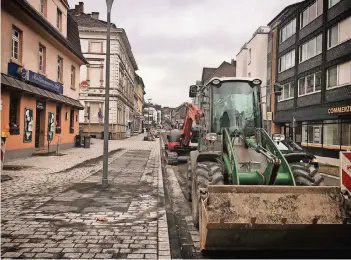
[{"x": 234, "y": 104}]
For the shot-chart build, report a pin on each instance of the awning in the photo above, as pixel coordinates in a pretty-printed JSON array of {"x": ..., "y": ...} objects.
[{"x": 22, "y": 86}]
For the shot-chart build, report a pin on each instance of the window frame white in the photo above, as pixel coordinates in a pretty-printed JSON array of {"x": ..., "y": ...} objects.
[
  {"x": 291, "y": 93},
  {"x": 42, "y": 6},
  {"x": 292, "y": 23},
  {"x": 16, "y": 39},
  {"x": 337, "y": 77},
  {"x": 59, "y": 68},
  {"x": 329, "y": 3},
  {"x": 73, "y": 77},
  {"x": 315, "y": 49},
  {"x": 284, "y": 57},
  {"x": 305, "y": 80},
  {"x": 328, "y": 36},
  {"x": 308, "y": 14},
  {"x": 58, "y": 19},
  {"x": 41, "y": 54}
]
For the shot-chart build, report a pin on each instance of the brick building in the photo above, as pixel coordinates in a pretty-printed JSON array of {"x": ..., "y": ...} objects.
[{"x": 310, "y": 56}]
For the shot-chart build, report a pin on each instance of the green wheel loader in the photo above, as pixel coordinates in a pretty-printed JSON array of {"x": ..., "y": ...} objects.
[{"x": 243, "y": 192}]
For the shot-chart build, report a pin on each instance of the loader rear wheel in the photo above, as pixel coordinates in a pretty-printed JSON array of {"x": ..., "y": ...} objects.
[
  {"x": 206, "y": 173},
  {"x": 306, "y": 175}
]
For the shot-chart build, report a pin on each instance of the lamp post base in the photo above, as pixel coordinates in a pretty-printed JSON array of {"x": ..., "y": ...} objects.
[{"x": 104, "y": 183}]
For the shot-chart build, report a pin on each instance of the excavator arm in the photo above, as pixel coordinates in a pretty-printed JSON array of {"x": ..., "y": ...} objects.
[{"x": 193, "y": 114}]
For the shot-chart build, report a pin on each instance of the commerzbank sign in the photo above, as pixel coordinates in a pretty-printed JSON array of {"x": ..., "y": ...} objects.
[
  {"x": 44, "y": 82},
  {"x": 337, "y": 110}
]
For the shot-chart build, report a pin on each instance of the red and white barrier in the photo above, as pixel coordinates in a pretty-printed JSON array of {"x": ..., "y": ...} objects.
[{"x": 345, "y": 171}]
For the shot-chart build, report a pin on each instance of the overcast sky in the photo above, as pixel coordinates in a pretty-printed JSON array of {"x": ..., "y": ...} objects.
[{"x": 172, "y": 40}]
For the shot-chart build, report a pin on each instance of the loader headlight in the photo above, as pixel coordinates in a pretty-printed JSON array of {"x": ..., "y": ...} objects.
[
  {"x": 314, "y": 160},
  {"x": 257, "y": 82},
  {"x": 216, "y": 81},
  {"x": 211, "y": 137}
]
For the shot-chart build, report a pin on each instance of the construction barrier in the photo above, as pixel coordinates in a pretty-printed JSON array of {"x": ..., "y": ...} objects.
[{"x": 345, "y": 171}]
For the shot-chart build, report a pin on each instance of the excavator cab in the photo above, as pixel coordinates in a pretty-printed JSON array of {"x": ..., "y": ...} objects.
[{"x": 244, "y": 193}]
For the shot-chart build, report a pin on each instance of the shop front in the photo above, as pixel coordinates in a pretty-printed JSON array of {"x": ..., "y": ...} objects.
[
  {"x": 38, "y": 115},
  {"x": 323, "y": 130}
]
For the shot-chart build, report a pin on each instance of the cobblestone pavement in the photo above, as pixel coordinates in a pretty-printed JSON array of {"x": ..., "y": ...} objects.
[{"x": 66, "y": 214}]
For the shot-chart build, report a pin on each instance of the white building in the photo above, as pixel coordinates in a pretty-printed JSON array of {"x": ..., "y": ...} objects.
[
  {"x": 93, "y": 37},
  {"x": 251, "y": 61}
]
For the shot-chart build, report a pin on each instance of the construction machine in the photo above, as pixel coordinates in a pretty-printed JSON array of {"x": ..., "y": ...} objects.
[
  {"x": 182, "y": 141},
  {"x": 244, "y": 194}
]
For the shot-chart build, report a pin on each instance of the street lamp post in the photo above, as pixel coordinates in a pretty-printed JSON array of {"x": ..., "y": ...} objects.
[{"x": 107, "y": 88}]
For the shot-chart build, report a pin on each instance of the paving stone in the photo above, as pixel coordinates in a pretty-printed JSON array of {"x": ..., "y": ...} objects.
[
  {"x": 87, "y": 255},
  {"x": 72, "y": 255},
  {"x": 151, "y": 256},
  {"x": 101, "y": 255},
  {"x": 44, "y": 255},
  {"x": 125, "y": 250},
  {"x": 135, "y": 256},
  {"x": 53, "y": 250},
  {"x": 12, "y": 254}
]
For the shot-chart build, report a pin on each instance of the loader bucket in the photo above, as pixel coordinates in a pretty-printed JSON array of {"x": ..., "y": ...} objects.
[{"x": 273, "y": 217}]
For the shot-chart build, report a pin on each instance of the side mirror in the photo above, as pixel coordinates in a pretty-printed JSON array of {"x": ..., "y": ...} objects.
[
  {"x": 192, "y": 91},
  {"x": 278, "y": 89}
]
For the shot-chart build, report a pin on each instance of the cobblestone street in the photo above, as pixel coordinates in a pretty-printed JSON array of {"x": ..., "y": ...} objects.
[{"x": 50, "y": 212}]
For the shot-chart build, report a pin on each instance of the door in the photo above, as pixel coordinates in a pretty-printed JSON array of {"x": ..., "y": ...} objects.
[{"x": 37, "y": 128}]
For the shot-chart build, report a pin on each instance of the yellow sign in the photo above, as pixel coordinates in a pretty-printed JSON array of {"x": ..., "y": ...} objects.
[
  {"x": 269, "y": 116},
  {"x": 334, "y": 110},
  {"x": 5, "y": 132}
]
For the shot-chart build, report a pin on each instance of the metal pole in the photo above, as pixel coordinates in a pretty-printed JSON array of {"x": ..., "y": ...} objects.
[{"x": 107, "y": 88}]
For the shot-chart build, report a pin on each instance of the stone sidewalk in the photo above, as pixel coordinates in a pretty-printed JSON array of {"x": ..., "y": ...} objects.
[{"x": 65, "y": 214}]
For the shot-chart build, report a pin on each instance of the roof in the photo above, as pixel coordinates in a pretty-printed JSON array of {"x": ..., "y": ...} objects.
[
  {"x": 221, "y": 72},
  {"x": 72, "y": 42},
  {"x": 232, "y": 79},
  {"x": 86, "y": 21},
  {"x": 141, "y": 82},
  {"x": 284, "y": 11},
  {"x": 206, "y": 73},
  {"x": 21, "y": 86}
]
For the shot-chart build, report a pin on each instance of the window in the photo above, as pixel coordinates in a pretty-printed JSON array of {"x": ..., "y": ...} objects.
[
  {"x": 310, "y": 84},
  {"x": 42, "y": 6},
  {"x": 73, "y": 77},
  {"x": 315, "y": 134},
  {"x": 16, "y": 44},
  {"x": 339, "y": 33},
  {"x": 288, "y": 30},
  {"x": 14, "y": 111},
  {"x": 311, "y": 48},
  {"x": 287, "y": 61},
  {"x": 332, "y": 77},
  {"x": 59, "y": 68},
  {"x": 346, "y": 134},
  {"x": 71, "y": 121},
  {"x": 59, "y": 19},
  {"x": 311, "y": 13},
  {"x": 333, "y": 36},
  {"x": 331, "y": 132},
  {"x": 58, "y": 119},
  {"x": 339, "y": 75},
  {"x": 42, "y": 58},
  {"x": 287, "y": 92},
  {"x": 249, "y": 56},
  {"x": 332, "y": 2}
]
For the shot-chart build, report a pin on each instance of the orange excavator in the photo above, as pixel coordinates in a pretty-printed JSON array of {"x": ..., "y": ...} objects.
[{"x": 182, "y": 141}]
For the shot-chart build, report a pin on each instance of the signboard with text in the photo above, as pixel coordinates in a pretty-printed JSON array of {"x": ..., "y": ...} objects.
[{"x": 44, "y": 82}]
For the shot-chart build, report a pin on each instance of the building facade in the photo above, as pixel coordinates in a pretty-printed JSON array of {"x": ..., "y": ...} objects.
[
  {"x": 40, "y": 68},
  {"x": 139, "y": 104},
  {"x": 93, "y": 38},
  {"x": 251, "y": 62},
  {"x": 313, "y": 58}
]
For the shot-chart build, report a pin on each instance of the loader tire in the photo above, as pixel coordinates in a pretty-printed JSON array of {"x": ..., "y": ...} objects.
[
  {"x": 306, "y": 175},
  {"x": 206, "y": 173}
]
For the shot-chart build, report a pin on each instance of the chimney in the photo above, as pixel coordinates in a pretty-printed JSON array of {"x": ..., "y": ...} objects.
[
  {"x": 95, "y": 15},
  {"x": 233, "y": 62},
  {"x": 81, "y": 7}
]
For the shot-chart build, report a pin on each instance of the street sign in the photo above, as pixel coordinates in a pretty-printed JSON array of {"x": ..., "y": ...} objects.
[
  {"x": 84, "y": 85},
  {"x": 269, "y": 116}
]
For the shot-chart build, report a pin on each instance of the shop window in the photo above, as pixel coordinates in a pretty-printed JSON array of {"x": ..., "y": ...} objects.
[
  {"x": 331, "y": 133},
  {"x": 71, "y": 121},
  {"x": 16, "y": 53},
  {"x": 14, "y": 114},
  {"x": 58, "y": 119},
  {"x": 346, "y": 134},
  {"x": 314, "y": 134}
]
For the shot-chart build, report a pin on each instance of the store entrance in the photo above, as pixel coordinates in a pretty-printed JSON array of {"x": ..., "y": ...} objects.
[{"x": 38, "y": 124}]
